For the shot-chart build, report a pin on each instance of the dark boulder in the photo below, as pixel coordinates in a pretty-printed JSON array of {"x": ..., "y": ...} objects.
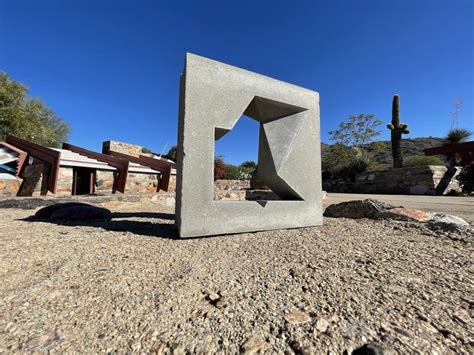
[
  {"x": 357, "y": 209},
  {"x": 72, "y": 211},
  {"x": 46, "y": 212}
]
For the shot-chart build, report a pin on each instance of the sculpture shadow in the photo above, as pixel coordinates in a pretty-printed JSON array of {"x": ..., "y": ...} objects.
[{"x": 143, "y": 228}]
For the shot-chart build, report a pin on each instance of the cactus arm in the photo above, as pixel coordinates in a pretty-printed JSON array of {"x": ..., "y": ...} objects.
[{"x": 390, "y": 126}]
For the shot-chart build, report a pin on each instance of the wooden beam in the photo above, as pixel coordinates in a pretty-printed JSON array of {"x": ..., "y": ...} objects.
[
  {"x": 450, "y": 148},
  {"x": 22, "y": 155},
  {"x": 120, "y": 164},
  {"x": 47, "y": 155},
  {"x": 465, "y": 151},
  {"x": 163, "y": 167}
]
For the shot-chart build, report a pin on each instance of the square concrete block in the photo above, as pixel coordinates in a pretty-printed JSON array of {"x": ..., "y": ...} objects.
[{"x": 213, "y": 96}]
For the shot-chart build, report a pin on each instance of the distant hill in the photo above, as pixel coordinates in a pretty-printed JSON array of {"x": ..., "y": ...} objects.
[{"x": 410, "y": 146}]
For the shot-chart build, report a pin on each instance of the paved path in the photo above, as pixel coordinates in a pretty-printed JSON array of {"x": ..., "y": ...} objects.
[{"x": 459, "y": 206}]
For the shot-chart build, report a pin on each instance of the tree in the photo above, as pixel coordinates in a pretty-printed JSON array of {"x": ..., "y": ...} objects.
[
  {"x": 249, "y": 164},
  {"x": 26, "y": 117},
  {"x": 347, "y": 156},
  {"x": 171, "y": 153},
  {"x": 357, "y": 130}
]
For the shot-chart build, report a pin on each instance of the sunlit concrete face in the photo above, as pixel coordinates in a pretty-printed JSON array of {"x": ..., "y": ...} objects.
[{"x": 213, "y": 96}]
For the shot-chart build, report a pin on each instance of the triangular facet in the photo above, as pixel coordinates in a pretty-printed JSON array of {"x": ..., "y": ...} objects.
[
  {"x": 264, "y": 110},
  {"x": 280, "y": 135}
]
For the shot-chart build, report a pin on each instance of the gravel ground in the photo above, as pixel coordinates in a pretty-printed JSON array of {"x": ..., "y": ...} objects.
[{"x": 129, "y": 285}]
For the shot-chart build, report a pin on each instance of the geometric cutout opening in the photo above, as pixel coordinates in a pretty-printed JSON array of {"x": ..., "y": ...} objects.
[
  {"x": 242, "y": 140},
  {"x": 280, "y": 124}
]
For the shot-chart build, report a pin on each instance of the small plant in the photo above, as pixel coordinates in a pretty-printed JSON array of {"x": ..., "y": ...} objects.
[
  {"x": 357, "y": 164},
  {"x": 457, "y": 135},
  {"x": 423, "y": 160},
  {"x": 397, "y": 129}
]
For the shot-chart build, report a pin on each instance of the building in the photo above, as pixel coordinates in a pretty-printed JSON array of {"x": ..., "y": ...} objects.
[{"x": 29, "y": 169}]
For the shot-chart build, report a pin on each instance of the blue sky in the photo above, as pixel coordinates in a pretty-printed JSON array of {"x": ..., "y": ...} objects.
[{"x": 111, "y": 68}]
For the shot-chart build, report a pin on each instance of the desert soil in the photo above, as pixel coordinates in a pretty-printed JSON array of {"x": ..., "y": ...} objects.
[{"x": 129, "y": 285}]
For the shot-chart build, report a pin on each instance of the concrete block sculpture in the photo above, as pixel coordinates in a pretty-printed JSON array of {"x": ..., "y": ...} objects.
[{"x": 213, "y": 96}]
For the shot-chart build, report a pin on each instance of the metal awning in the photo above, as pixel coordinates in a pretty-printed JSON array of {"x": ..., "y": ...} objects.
[{"x": 71, "y": 159}]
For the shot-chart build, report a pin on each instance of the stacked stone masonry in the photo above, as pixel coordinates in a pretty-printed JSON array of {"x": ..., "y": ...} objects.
[{"x": 422, "y": 180}]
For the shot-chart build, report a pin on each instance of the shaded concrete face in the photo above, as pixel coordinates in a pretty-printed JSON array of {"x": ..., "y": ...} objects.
[{"x": 213, "y": 96}]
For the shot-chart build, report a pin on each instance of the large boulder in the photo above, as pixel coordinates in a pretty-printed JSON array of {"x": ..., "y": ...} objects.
[{"x": 367, "y": 208}]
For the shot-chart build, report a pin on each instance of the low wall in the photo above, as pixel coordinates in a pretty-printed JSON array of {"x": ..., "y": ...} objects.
[
  {"x": 420, "y": 180},
  {"x": 9, "y": 185}
]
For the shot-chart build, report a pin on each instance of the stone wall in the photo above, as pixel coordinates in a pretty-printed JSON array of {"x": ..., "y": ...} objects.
[
  {"x": 104, "y": 181},
  {"x": 120, "y": 147},
  {"x": 240, "y": 190},
  {"x": 9, "y": 186},
  {"x": 422, "y": 180},
  {"x": 142, "y": 183},
  {"x": 172, "y": 184},
  {"x": 64, "y": 181},
  {"x": 234, "y": 185}
]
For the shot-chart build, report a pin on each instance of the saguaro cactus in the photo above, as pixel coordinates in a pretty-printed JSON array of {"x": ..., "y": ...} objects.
[{"x": 397, "y": 129}]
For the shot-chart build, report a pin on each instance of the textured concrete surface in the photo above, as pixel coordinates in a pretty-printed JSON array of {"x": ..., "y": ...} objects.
[
  {"x": 459, "y": 206},
  {"x": 213, "y": 96}
]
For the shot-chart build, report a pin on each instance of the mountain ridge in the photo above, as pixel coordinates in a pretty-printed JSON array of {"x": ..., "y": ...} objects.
[{"x": 410, "y": 147}]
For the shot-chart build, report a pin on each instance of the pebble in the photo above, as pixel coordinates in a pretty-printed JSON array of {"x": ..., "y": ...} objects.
[
  {"x": 322, "y": 325},
  {"x": 296, "y": 317},
  {"x": 255, "y": 344}
]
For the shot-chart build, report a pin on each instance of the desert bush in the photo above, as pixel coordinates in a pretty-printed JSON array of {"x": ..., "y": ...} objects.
[
  {"x": 422, "y": 160},
  {"x": 454, "y": 136},
  {"x": 457, "y": 135},
  {"x": 231, "y": 172},
  {"x": 356, "y": 164},
  {"x": 219, "y": 168},
  {"x": 374, "y": 166}
]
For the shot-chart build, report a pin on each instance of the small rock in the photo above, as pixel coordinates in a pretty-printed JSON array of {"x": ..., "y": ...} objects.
[
  {"x": 404, "y": 214},
  {"x": 41, "y": 341},
  {"x": 296, "y": 317},
  {"x": 322, "y": 325},
  {"x": 255, "y": 344},
  {"x": 449, "y": 219},
  {"x": 213, "y": 296}
]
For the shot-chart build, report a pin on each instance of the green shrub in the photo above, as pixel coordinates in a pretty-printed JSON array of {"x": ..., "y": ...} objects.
[
  {"x": 422, "y": 160},
  {"x": 379, "y": 167},
  {"x": 357, "y": 164},
  {"x": 231, "y": 172}
]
